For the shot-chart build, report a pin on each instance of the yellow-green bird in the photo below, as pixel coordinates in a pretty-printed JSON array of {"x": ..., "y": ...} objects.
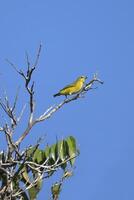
[{"x": 72, "y": 88}]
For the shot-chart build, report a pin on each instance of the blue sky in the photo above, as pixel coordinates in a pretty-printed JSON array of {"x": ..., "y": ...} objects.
[{"x": 79, "y": 38}]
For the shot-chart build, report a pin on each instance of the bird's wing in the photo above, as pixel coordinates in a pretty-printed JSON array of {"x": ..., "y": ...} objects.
[{"x": 68, "y": 86}]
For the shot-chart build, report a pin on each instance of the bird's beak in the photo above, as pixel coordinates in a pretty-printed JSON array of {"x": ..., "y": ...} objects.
[{"x": 86, "y": 77}]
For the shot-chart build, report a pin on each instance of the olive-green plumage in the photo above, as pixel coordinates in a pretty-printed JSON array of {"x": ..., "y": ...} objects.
[{"x": 73, "y": 88}]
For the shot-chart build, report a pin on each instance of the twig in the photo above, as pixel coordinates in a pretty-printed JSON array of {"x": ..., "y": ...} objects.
[
  {"x": 21, "y": 114},
  {"x": 9, "y": 110},
  {"x": 5, "y": 171},
  {"x": 38, "y": 56},
  {"x": 50, "y": 111}
]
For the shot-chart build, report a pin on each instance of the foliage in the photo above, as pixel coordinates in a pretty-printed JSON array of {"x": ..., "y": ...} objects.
[{"x": 22, "y": 171}]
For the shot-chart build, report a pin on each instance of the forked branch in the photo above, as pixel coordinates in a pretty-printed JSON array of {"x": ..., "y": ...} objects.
[{"x": 50, "y": 111}]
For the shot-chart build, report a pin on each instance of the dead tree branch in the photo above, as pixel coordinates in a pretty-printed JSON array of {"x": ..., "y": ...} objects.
[
  {"x": 50, "y": 111},
  {"x": 16, "y": 162}
]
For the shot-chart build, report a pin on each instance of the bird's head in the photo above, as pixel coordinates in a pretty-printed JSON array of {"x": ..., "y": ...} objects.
[{"x": 83, "y": 78}]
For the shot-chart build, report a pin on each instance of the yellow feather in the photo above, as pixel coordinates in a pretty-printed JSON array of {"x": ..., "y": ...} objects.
[{"x": 73, "y": 88}]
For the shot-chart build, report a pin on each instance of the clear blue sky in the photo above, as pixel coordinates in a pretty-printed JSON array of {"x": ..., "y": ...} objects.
[{"x": 79, "y": 37}]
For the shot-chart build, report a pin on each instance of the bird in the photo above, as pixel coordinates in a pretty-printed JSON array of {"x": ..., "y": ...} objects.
[{"x": 72, "y": 88}]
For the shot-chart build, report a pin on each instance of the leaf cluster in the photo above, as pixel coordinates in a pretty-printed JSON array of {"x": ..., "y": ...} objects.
[{"x": 37, "y": 164}]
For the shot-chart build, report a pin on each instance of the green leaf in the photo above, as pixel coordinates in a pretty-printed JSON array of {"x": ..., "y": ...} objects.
[
  {"x": 33, "y": 191},
  {"x": 56, "y": 189},
  {"x": 71, "y": 148},
  {"x": 31, "y": 151},
  {"x": 38, "y": 156},
  {"x": 62, "y": 150},
  {"x": 47, "y": 152},
  {"x": 25, "y": 177},
  {"x": 53, "y": 152}
]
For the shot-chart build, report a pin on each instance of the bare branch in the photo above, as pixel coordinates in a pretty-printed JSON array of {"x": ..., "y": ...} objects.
[
  {"x": 50, "y": 111},
  {"x": 5, "y": 171},
  {"x": 29, "y": 127},
  {"x": 30, "y": 89},
  {"x": 28, "y": 75},
  {"x": 46, "y": 169},
  {"x": 38, "y": 56},
  {"x": 9, "y": 62},
  {"x": 88, "y": 86},
  {"x": 9, "y": 111},
  {"x": 14, "y": 162},
  {"x": 15, "y": 100},
  {"x": 28, "y": 62},
  {"x": 21, "y": 114}
]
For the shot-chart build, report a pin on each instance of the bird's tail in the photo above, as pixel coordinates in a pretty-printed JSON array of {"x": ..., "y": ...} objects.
[{"x": 55, "y": 95}]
